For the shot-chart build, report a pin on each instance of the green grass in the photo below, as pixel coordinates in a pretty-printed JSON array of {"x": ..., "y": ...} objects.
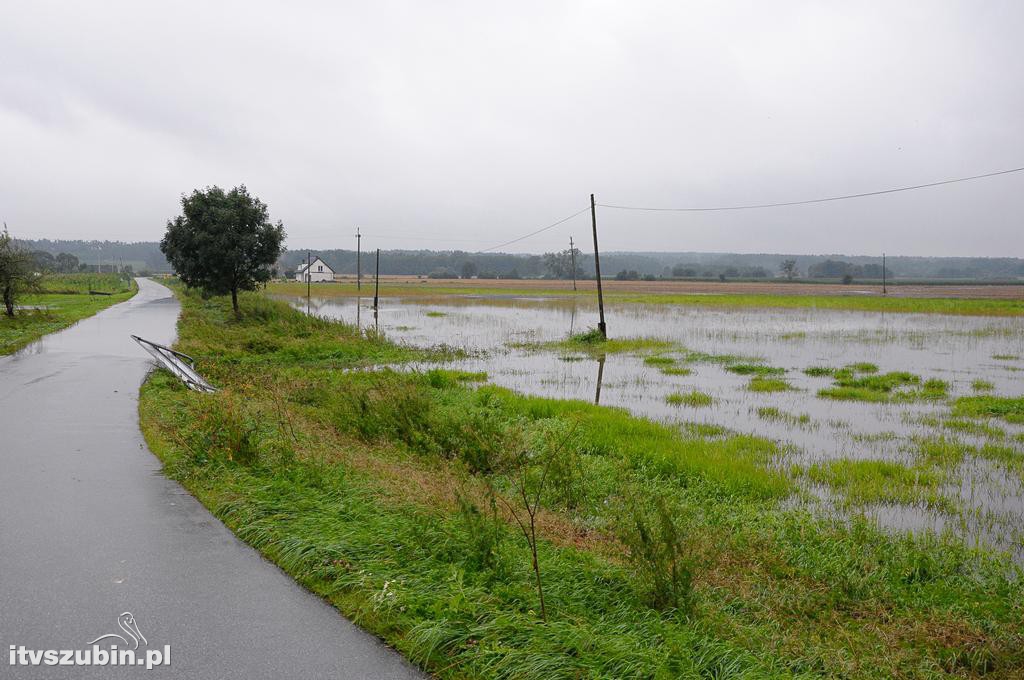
[
  {"x": 755, "y": 369},
  {"x": 659, "y": 360},
  {"x": 979, "y": 385},
  {"x": 973, "y": 427},
  {"x": 775, "y": 414},
  {"x": 959, "y": 306},
  {"x": 1010, "y": 409},
  {"x": 591, "y": 343},
  {"x": 675, "y": 370},
  {"x": 863, "y": 367},
  {"x": 870, "y": 482},
  {"x": 65, "y": 300},
  {"x": 352, "y": 481},
  {"x": 895, "y": 386},
  {"x": 436, "y": 314},
  {"x": 763, "y": 384},
  {"x": 693, "y": 399}
]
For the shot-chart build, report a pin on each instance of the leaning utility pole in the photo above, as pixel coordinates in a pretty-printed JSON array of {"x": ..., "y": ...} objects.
[
  {"x": 572, "y": 254},
  {"x": 359, "y": 266},
  {"x": 376, "y": 283},
  {"x": 883, "y": 273},
  {"x": 597, "y": 268}
]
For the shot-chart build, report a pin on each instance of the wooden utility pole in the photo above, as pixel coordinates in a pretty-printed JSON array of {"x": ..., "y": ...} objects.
[
  {"x": 597, "y": 269},
  {"x": 572, "y": 255},
  {"x": 883, "y": 273},
  {"x": 359, "y": 265},
  {"x": 309, "y": 278},
  {"x": 376, "y": 283}
]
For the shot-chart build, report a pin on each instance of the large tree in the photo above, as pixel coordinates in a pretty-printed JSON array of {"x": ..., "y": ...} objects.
[
  {"x": 223, "y": 242},
  {"x": 67, "y": 263},
  {"x": 17, "y": 273}
]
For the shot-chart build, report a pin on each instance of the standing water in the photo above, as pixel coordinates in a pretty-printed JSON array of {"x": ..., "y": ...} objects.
[{"x": 717, "y": 352}]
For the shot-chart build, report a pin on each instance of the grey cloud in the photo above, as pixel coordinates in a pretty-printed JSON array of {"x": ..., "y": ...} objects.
[{"x": 473, "y": 123}]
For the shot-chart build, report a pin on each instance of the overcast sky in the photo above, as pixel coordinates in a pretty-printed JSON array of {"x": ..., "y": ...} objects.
[{"x": 466, "y": 124}]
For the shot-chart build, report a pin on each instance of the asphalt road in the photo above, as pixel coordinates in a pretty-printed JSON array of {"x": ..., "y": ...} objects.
[{"x": 90, "y": 528}]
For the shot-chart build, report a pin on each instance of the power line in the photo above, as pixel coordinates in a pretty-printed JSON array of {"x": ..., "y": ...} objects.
[
  {"x": 816, "y": 200},
  {"x": 399, "y": 237},
  {"x": 534, "y": 233}
]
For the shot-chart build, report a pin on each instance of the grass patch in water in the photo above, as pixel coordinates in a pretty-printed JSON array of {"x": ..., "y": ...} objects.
[
  {"x": 659, "y": 360},
  {"x": 592, "y": 344},
  {"x": 446, "y": 377},
  {"x": 942, "y": 451},
  {"x": 1005, "y": 357},
  {"x": 775, "y": 414},
  {"x": 434, "y": 314},
  {"x": 898, "y": 386},
  {"x": 871, "y": 482},
  {"x": 754, "y": 369},
  {"x": 973, "y": 427},
  {"x": 760, "y": 383},
  {"x": 1010, "y": 409},
  {"x": 979, "y": 385},
  {"x": 675, "y": 370},
  {"x": 696, "y": 399}
]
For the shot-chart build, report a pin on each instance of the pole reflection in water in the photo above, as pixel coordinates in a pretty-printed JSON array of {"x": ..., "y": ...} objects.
[{"x": 600, "y": 378}]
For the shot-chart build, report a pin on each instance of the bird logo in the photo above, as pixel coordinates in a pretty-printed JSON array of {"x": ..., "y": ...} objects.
[{"x": 126, "y": 622}]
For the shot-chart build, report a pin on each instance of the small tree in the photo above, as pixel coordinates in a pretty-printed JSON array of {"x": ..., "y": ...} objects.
[
  {"x": 528, "y": 471},
  {"x": 223, "y": 242},
  {"x": 788, "y": 268},
  {"x": 17, "y": 273}
]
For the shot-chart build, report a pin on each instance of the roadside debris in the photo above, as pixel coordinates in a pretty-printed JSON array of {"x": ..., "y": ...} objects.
[{"x": 181, "y": 365}]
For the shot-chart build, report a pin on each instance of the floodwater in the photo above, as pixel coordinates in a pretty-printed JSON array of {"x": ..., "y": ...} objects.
[{"x": 956, "y": 349}]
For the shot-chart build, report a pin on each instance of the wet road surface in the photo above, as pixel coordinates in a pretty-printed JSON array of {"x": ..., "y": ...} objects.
[{"x": 90, "y": 528}]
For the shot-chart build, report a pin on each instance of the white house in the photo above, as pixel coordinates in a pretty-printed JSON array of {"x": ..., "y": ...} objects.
[{"x": 318, "y": 271}]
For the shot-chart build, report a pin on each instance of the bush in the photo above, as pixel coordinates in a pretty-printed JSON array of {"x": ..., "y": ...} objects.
[
  {"x": 659, "y": 551},
  {"x": 484, "y": 533}
]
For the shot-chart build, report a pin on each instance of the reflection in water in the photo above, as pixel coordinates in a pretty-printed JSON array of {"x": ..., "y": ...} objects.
[{"x": 956, "y": 349}]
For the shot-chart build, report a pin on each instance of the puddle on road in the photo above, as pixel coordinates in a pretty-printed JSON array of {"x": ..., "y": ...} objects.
[{"x": 957, "y": 349}]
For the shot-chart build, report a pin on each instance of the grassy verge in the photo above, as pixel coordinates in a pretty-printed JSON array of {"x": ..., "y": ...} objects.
[
  {"x": 65, "y": 299},
  {"x": 664, "y": 552},
  {"x": 932, "y": 305}
]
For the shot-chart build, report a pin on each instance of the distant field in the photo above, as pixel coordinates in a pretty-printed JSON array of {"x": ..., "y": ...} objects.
[
  {"x": 996, "y": 300},
  {"x": 66, "y": 300}
]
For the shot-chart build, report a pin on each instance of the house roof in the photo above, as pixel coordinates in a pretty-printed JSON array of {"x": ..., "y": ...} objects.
[{"x": 302, "y": 266}]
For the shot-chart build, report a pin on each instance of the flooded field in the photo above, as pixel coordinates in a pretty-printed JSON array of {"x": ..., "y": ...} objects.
[{"x": 865, "y": 404}]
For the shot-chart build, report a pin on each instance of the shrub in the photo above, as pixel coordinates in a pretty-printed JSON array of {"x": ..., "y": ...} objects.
[
  {"x": 484, "y": 533},
  {"x": 659, "y": 551}
]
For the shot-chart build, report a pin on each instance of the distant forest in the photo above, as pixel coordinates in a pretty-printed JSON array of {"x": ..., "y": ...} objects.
[{"x": 145, "y": 256}]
